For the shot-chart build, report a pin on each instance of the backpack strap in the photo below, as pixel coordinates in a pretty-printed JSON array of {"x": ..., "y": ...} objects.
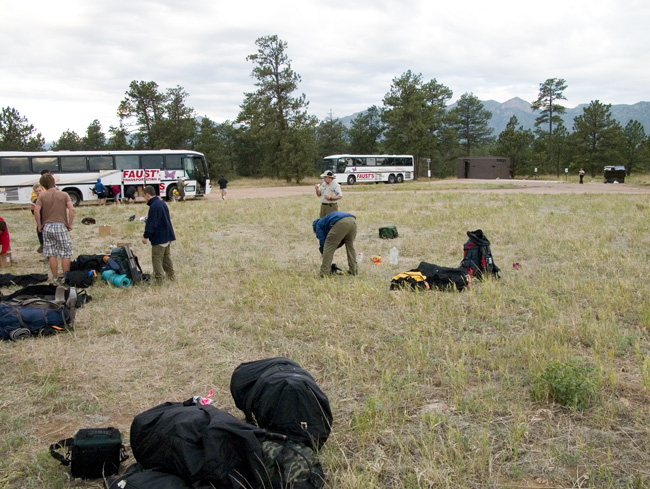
[{"x": 62, "y": 444}]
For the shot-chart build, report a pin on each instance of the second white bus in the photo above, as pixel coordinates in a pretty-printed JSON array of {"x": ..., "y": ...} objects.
[{"x": 351, "y": 169}]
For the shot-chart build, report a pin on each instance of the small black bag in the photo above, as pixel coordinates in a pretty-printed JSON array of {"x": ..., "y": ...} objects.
[
  {"x": 92, "y": 453},
  {"x": 80, "y": 278},
  {"x": 388, "y": 232}
]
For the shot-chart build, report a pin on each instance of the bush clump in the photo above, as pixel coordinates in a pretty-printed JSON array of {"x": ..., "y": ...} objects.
[{"x": 571, "y": 384}]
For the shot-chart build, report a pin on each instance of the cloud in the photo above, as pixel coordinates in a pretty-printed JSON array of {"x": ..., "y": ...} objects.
[{"x": 67, "y": 63}]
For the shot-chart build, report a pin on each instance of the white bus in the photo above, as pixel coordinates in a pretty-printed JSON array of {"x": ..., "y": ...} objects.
[
  {"x": 351, "y": 169},
  {"x": 76, "y": 172}
]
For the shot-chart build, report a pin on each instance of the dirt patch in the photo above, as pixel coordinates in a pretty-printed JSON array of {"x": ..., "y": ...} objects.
[{"x": 502, "y": 186}]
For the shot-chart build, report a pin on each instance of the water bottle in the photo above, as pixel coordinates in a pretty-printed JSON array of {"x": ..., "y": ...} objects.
[
  {"x": 360, "y": 257},
  {"x": 394, "y": 256}
]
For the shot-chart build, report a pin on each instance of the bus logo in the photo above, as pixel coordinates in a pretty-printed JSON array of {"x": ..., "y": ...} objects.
[{"x": 141, "y": 176}]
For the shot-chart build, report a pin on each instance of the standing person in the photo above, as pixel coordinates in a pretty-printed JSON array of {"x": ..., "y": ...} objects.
[
  {"x": 223, "y": 187},
  {"x": 581, "y": 173},
  {"x": 160, "y": 232},
  {"x": 4, "y": 237},
  {"x": 55, "y": 222},
  {"x": 333, "y": 231},
  {"x": 101, "y": 191},
  {"x": 36, "y": 191},
  {"x": 329, "y": 192},
  {"x": 180, "y": 186},
  {"x": 129, "y": 193},
  {"x": 117, "y": 193}
]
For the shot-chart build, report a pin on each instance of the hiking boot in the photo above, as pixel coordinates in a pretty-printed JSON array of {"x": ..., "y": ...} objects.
[{"x": 39, "y": 249}]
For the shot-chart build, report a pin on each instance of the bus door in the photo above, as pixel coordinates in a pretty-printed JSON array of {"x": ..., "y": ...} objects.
[{"x": 197, "y": 178}]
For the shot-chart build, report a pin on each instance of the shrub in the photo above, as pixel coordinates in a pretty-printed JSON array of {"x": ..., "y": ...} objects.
[{"x": 571, "y": 384}]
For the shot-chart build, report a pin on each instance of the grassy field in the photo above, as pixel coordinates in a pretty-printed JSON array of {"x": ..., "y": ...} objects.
[{"x": 538, "y": 380}]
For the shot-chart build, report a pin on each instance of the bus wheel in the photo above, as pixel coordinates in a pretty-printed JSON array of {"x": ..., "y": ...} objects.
[
  {"x": 170, "y": 193},
  {"x": 351, "y": 180},
  {"x": 75, "y": 197},
  {"x": 391, "y": 178},
  {"x": 400, "y": 178}
]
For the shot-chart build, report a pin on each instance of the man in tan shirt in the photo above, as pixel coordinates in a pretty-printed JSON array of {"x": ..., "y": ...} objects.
[
  {"x": 329, "y": 192},
  {"x": 56, "y": 224}
]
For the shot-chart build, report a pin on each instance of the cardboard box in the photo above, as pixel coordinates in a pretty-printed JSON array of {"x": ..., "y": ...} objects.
[
  {"x": 104, "y": 230},
  {"x": 5, "y": 260},
  {"x": 122, "y": 243}
]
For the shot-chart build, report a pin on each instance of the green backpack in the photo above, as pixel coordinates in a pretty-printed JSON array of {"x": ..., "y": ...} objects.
[
  {"x": 129, "y": 264},
  {"x": 388, "y": 232}
]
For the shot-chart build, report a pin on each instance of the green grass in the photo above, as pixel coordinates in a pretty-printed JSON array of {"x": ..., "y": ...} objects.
[{"x": 428, "y": 389}]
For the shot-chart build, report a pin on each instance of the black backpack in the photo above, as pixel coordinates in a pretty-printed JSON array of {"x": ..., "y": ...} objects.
[
  {"x": 88, "y": 262},
  {"x": 199, "y": 444},
  {"x": 128, "y": 262},
  {"x": 445, "y": 277},
  {"x": 279, "y": 396},
  {"x": 430, "y": 276},
  {"x": 286, "y": 465},
  {"x": 477, "y": 256}
]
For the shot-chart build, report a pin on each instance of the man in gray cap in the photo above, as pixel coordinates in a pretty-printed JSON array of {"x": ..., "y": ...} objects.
[{"x": 329, "y": 192}]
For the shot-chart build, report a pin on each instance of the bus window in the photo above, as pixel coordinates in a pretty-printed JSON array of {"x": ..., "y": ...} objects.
[
  {"x": 47, "y": 163},
  {"x": 383, "y": 161},
  {"x": 173, "y": 162},
  {"x": 127, "y": 162},
  {"x": 9, "y": 166},
  {"x": 152, "y": 162},
  {"x": 371, "y": 162},
  {"x": 100, "y": 163},
  {"x": 340, "y": 167},
  {"x": 73, "y": 164}
]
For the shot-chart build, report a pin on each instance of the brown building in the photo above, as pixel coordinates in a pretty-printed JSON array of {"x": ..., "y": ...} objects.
[{"x": 486, "y": 167}]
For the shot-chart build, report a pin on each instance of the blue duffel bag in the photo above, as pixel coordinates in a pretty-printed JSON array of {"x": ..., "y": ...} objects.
[{"x": 39, "y": 311}]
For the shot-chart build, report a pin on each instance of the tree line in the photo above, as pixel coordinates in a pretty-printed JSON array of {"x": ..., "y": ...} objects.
[{"x": 275, "y": 136}]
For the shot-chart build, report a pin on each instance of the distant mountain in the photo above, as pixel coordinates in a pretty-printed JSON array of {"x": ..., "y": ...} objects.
[{"x": 501, "y": 113}]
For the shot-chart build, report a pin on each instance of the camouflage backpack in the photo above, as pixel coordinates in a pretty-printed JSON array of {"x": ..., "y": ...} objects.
[{"x": 291, "y": 464}]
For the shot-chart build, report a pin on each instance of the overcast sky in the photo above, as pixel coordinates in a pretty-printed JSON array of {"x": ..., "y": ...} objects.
[{"x": 65, "y": 63}]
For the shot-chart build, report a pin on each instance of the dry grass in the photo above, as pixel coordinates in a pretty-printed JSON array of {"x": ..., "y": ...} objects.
[{"x": 428, "y": 390}]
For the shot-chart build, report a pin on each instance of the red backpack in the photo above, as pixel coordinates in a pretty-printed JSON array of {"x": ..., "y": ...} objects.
[{"x": 477, "y": 256}]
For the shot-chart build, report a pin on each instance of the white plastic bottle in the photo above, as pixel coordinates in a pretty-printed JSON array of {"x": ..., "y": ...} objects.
[
  {"x": 360, "y": 257},
  {"x": 394, "y": 256}
]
